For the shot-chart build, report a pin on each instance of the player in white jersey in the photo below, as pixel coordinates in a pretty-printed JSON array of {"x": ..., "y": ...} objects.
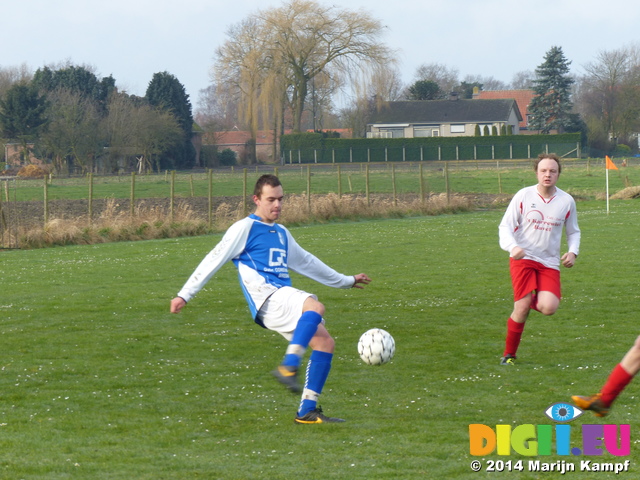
[
  {"x": 264, "y": 252},
  {"x": 531, "y": 231}
]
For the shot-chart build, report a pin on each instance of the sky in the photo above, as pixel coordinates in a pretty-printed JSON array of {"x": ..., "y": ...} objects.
[{"x": 133, "y": 39}]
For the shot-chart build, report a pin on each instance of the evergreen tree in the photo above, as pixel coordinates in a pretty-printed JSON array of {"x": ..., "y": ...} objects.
[
  {"x": 23, "y": 115},
  {"x": 76, "y": 79},
  {"x": 167, "y": 93},
  {"x": 425, "y": 90},
  {"x": 551, "y": 106}
]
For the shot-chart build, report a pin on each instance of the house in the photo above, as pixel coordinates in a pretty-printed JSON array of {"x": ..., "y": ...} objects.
[
  {"x": 522, "y": 97},
  {"x": 14, "y": 155},
  {"x": 238, "y": 141},
  {"x": 442, "y": 118}
]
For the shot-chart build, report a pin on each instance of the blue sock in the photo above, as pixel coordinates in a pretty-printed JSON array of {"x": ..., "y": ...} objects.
[
  {"x": 317, "y": 373},
  {"x": 302, "y": 335}
]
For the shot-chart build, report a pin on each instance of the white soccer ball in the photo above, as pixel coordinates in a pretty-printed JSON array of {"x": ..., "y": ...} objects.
[{"x": 376, "y": 346}]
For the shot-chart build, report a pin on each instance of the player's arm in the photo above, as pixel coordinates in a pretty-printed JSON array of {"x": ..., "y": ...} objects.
[
  {"x": 573, "y": 237},
  {"x": 307, "y": 264},
  {"x": 361, "y": 279},
  {"x": 230, "y": 246},
  {"x": 507, "y": 228}
]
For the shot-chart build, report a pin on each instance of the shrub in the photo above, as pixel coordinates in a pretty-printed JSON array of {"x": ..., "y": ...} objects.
[
  {"x": 32, "y": 171},
  {"x": 227, "y": 157}
]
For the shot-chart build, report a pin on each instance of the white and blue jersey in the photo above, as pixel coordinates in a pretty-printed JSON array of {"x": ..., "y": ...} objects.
[{"x": 263, "y": 253}]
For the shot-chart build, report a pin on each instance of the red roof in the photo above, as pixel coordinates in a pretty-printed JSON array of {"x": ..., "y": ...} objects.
[{"x": 522, "y": 98}]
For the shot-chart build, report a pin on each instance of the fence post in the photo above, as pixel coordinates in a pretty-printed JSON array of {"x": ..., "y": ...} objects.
[
  {"x": 446, "y": 182},
  {"x": 90, "y": 198},
  {"x": 309, "y": 189},
  {"x": 393, "y": 181},
  {"x": 244, "y": 193},
  {"x": 210, "y": 193},
  {"x": 46, "y": 201},
  {"x": 132, "y": 200},
  {"x": 367, "y": 184},
  {"x": 172, "y": 199},
  {"x": 339, "y": 182},
  {"x": 421, "y": 183}
]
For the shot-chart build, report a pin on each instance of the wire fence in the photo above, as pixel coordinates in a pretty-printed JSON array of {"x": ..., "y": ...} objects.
[{"x": 34, "y": 203}]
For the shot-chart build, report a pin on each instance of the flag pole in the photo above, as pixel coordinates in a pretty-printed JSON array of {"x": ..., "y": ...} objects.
[
  {"x": 608, "y": 165},
  {"x": 607, "y": 175}
]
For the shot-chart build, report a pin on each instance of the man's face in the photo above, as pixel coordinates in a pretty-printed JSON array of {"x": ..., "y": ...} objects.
[
  {"x": 548, "y": 172},
  {"x": 269, "y": 203}
]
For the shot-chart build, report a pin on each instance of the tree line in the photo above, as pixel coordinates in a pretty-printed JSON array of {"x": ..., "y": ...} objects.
[
  {"x": 79, "y": 123},
  {"x": 300, "y": 66}
]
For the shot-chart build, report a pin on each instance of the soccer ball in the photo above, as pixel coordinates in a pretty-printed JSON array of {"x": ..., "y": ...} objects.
[{"x": 376, "y": 346}]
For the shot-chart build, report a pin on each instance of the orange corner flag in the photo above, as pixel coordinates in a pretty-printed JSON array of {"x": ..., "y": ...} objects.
[{"x": 610, "y": 165}]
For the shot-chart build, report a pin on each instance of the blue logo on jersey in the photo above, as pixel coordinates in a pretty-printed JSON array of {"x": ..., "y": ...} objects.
[{"x": 277, "y": 257}]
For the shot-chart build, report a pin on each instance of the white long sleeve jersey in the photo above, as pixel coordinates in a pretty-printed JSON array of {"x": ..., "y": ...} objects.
[
  {"x": 263, "y": 254},
  {"x": 534, "y": 224}
]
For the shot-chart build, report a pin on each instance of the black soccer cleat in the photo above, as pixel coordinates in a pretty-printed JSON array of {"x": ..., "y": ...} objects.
[
  {"x": 288, "y": 376},
  {"x": 316, "y": 416},
  {"x": 508, "y": 359}
]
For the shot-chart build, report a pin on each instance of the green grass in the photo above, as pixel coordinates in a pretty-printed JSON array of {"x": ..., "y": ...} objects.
[
  {"x": 99, "y": 381},
  {"x": 585, "y": 178}
]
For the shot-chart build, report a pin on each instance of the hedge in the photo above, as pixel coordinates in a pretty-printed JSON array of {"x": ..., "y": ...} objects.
[{"x": 313, "y": 148}]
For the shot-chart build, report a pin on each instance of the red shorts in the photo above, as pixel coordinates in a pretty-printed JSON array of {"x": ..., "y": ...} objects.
[{"x": 528, "y": 275}]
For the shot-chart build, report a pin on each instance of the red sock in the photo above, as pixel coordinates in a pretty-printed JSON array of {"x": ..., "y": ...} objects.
[
  {"x": 514, "y": 334},
  {"x": 618, "y": 379}
]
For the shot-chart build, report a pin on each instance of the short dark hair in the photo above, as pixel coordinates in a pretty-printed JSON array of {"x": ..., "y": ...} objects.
[
  {"x": 266, "y": 179},
  {"x": 544, "y": 156}
]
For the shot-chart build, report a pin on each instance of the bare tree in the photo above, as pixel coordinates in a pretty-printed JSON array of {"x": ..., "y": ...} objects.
[
  {"x": 488, "y": 83},
  {"x": 12, "y": 75},
  {"x": 73, "y": 135},
  {"x": 276, "y": 54},
  {"x": 216, "y": 111},
  {"x": 523, "y": 80},
  {"x": 446, "y": 77},
  {"x": 242, "y": 67},
  {"x": 608, "y": 95}
]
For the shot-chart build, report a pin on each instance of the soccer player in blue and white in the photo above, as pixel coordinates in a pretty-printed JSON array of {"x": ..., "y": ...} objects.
[
  {"x": 531, "y": 231},
  {"x": 263, "y": 252}
]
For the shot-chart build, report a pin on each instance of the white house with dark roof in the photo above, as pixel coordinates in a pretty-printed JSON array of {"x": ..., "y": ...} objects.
[{"x": 442, "y": 118}]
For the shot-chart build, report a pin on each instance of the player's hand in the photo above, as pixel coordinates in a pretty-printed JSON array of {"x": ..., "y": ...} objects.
[
  {"x": 517, "y": 253},
  {"x": 177, "y": 304},
  {"x": 361, "y": 278},
  {"x": 568, "y": 259}
]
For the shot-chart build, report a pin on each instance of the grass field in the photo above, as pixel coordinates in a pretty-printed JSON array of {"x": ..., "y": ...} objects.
[
  {"x": 585, "y": 177},
  {"x": 99, "y": 381}
]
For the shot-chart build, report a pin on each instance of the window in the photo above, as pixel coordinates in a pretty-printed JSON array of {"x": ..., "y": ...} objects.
[
  {"x": 421, "y": 131},
  {"x": 393, "y": 132},
  {"x": 457, "y": 128}
]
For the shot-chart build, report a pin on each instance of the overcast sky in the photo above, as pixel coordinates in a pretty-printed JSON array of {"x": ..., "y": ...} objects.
[{"x": 133, "y": 39}]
